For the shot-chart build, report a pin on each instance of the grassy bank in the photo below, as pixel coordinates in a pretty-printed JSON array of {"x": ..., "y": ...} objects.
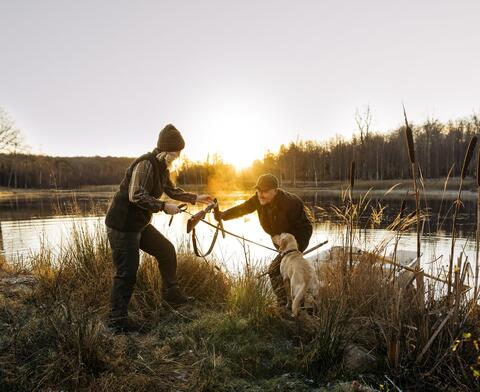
[{"x": 233, "y": 338}]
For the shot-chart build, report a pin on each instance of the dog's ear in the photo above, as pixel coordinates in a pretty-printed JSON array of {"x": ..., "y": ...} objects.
[
  {"x": 283, "y": 242},
  {"x": 276, "y": 239}
]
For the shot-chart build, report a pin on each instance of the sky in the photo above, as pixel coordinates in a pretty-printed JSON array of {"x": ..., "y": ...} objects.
[{"x": 83, "y": 78}]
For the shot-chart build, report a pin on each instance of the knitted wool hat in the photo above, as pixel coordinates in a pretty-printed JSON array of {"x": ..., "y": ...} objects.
[
  {"x": 266, "y": 182},
  {"x": 170, "y": 139}
]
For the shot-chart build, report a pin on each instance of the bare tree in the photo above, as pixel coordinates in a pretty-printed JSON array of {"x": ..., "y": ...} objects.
[
  {"x": 9, "y": 133},
  {"x": 364, "y": 121}
]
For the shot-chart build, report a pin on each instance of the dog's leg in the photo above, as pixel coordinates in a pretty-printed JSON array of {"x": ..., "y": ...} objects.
[
  {"x": 286, "y": 283},
  {"x": 299, "y": 295}
]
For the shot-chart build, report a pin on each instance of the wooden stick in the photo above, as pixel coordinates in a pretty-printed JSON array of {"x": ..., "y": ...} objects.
[{"x": 414, "y": 270}]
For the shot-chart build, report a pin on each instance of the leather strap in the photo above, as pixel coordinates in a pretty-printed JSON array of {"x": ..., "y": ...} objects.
[{"x": 195, "y": 244}]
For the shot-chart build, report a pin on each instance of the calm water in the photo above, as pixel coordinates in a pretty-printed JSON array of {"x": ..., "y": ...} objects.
[{"x": 26, "y": 225}]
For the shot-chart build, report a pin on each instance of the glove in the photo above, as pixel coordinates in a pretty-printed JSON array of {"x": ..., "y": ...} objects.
[
  {"x": 171, "y": 209},
  {"x": 218, "y": 215}
]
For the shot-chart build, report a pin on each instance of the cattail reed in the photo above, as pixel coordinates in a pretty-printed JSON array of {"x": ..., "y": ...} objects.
[
  {"x": 352, "y": 184},
  {"x": 466, "y": 163},
  {"x": 477, "y": 245},
  {"x": 411, "y": 155},
  {"x": 468, "y": 156},
  {"x": 409, "y": 137}
]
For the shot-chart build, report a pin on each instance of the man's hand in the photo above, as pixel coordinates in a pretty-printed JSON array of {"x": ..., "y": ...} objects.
[
  {"x": 204, "y": 199},
  {"x": 171, "y": 209}
]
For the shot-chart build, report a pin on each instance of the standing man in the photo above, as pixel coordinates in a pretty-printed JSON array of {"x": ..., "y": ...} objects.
[
  {"x": 279, "y": 212},
  {"x": 129, "y": 229}
]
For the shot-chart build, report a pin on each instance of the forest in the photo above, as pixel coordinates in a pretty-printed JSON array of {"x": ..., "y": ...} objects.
[{"x": 440, "y": 148}]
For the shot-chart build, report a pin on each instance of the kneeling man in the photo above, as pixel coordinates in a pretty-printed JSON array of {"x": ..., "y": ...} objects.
[{"x": 279, "y": 212}]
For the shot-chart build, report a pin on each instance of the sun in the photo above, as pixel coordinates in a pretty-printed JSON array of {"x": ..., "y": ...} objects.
[
  {"x": 240, "y": 134},
  {"x": 241, "y": 155},
  {"x": 239, "y": 123}
]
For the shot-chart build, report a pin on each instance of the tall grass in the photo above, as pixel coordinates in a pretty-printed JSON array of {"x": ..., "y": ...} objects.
[
  {"x": 458, "y": 201},
  {"x": 232, "y": 338}
]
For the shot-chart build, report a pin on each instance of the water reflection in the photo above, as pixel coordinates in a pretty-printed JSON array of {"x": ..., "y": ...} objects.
[
  {"x": 439, "y": 212},
  {"x": 20, "y": 236}
]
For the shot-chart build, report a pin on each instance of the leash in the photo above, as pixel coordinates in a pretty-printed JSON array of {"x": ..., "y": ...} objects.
[
  {"x": 195, "y": 244},
  {"x": 199, "y": 217},
  {"x": 294, "y": 250},
  {"x": 215, "y": 236}
]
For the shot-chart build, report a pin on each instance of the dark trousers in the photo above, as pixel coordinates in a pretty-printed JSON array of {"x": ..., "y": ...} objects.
[
  {"x": 277, "y": 281},
  {"x": 126, "y": 256}
]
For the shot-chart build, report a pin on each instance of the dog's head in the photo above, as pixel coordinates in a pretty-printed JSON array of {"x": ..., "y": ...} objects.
[{"x": 285, "y": 241}]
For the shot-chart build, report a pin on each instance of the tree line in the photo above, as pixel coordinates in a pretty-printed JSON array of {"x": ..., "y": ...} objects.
[
  {"x": 440, "y": 147},
  {"x": 38, "y": 171}
]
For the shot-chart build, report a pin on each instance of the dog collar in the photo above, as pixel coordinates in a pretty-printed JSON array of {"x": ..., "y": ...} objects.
[{"x": 289, "y": 251}]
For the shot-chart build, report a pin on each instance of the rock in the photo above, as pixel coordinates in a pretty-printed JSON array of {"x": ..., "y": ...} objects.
[{"x": 358, "y": 360}]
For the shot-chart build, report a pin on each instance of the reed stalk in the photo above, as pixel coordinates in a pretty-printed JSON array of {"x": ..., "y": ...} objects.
[
  {"x": 352, "y": 184},
  {"x": 477, "y": 244},
  {"x": 398, "y": 229},
  {"x": 466, "y": 163},
  {"x": 411, "y": 155}
]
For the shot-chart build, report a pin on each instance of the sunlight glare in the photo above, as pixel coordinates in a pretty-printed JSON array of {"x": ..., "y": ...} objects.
[{"x": 239, "y": 131}]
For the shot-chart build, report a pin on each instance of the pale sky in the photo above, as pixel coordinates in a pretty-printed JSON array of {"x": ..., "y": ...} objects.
[{"x": 236, "y": 77}]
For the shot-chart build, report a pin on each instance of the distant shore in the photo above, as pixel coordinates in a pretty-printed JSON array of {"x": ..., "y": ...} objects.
[{"x": 433, "y": 188}]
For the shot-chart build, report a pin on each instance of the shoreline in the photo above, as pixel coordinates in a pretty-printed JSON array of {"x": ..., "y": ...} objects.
[{"x": 388, "y": 189}]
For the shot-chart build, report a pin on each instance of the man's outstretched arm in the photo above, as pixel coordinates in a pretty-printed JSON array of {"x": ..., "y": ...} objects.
[
  {"x": 245, "y": 208},
  {"x": 178, "y": 193}
]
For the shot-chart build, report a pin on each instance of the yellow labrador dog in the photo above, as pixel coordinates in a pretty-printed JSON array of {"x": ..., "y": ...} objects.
[{"x": 297, "y": 273}]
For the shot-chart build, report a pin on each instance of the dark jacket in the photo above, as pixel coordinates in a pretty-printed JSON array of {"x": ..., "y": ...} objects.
[
  {"x": 125, "y": 216},
  {"x": 286, "y": 213}
]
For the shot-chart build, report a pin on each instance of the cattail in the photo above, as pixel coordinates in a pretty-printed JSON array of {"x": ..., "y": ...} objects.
[
  {"x": 477, "y": 236},
  {"x": 411, "y": 154},
  {"x": 466, "y": 162},
  {"x": 352, "y": 174},
  {"x": 468, "y": 156},
  {"x": 478, "y": 168},
  {"x": 409, "y": 137}
]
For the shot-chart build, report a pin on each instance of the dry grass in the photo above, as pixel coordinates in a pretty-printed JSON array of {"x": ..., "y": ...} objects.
[{"x": 52, "y": 335}]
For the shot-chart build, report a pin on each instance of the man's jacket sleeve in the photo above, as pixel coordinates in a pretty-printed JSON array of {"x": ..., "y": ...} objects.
[
  {"x": 141, "y": 185},
  {"x": 177, "y": 193},
  {"x": 245, "y": 208}
]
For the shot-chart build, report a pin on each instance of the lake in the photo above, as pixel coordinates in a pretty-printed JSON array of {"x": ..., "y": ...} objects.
[{"x": 27, "y": 224}]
